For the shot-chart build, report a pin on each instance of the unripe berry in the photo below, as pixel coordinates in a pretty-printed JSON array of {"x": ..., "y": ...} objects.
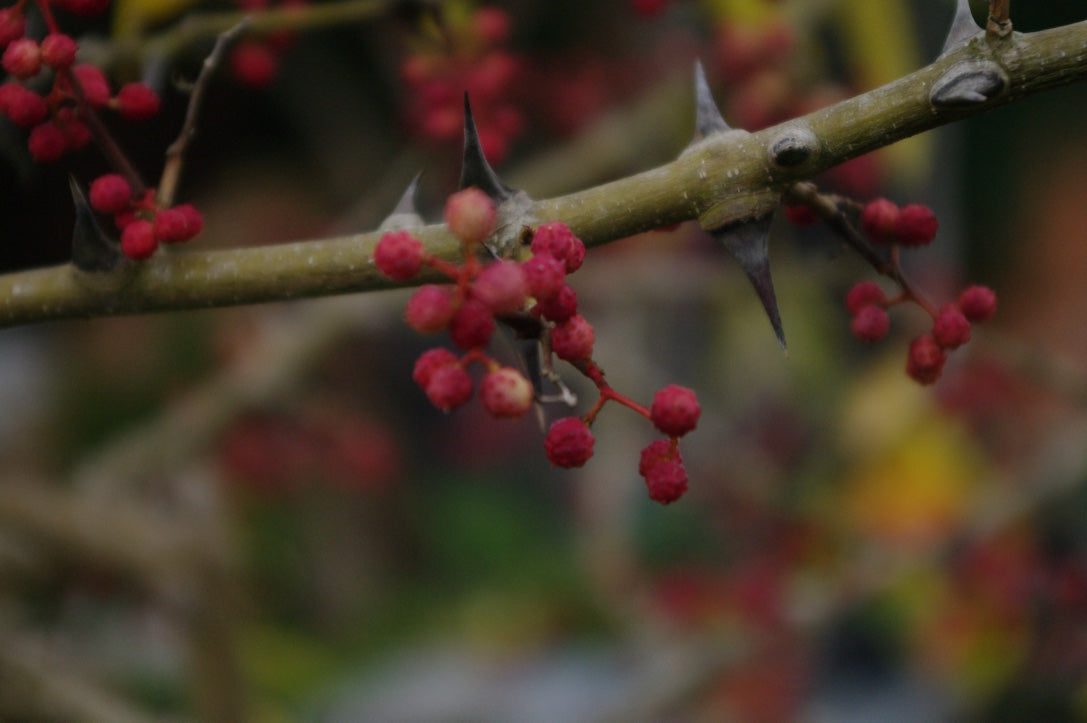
[
  {"x": 58, "y": 50},
  {"x": 559, "y": 307},
  {"x": 502, "y": 286},
  {"x": 46, "y": 142},
  {"x": 916, "y": 225},
  {"x": 399, "y": 255},
  {"x": 557, "y": 240},
  {"x": 449, "y": 387},
  {"x": 506, "y": 393},
  {"x": 879, "y": 220},
  {"x": 666, "y": 481},
  {"x": 138, "y": 240},
  {"x": 864, "y": 293},
  {"x": 471, "y": 215},
  {"x": 545, "y": 276},
  {"x": 472, "y": 325},
  {"x": 93, "y": 82},
  {"x": 569, "y": 442},
  {"x": 12, "y": 25},
  {"x": 429, "y": 309},
  {"x": 22, "y": 58},
  {"x": 978, "y": 303},
  {"x": 801, "y": 215},
  {"x": 110, "y": 193},
  {"x": 429, "y": 362},
  {"x": 951, "y": 329},
  {"x": 25, "y": 107},
  {"x": 136, "y": 101},
  {"x": 656, "y": 452},
  {"x": 870, "y": 324},
  {"x": 675, "y": 410},
  {"x": 926, "y": 360},
  {"x": 573, "y": 339}
]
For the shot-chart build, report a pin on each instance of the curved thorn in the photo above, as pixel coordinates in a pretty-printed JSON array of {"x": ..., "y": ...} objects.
[
  {"x": 748, "y": 242},
  {"x": 708, "y": 119},
  {"x": 92, "y": 249},
  {"x": 963, "y": 27},
  {"x": 475, "y": 171}
]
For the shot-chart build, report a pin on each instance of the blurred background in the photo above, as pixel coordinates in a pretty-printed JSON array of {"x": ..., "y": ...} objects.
[{"x": 254, "y": 514}]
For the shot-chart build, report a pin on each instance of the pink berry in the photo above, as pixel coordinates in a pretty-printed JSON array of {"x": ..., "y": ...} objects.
[
  {"x": 449, "y": 387},
  {"x": 916, "y": 225},
  {"x": 926, "y": 360},
  {"x": 25, "y": 107},
  {"x": 557, "y": 240},
  {"x": 506, "y": 393},
  {"x": 93, "y": 82},
  {"x": 978, "y": 303},
  {"x": 545, "y": 276},
  {"x": 429, "y": 309},
  {"x": 502, "y": 286},
  {"x": 22, "y": 58},
  {"x": 472, "y": 325},
  {"x": 573, "y": 339},
  {"x": 399, "y": 255},
  {"x": 951, "y": 329},
  {"x": 12, "y": 25},
  {"x": 254, "y": 63},
  {"x": 560, "y": 307},
  {"x": 471, "y": 215},
  {"x": 136, "y": 101},
  {"x": 46, "y": 142},
  {"x": 864, "y": 293},
  {"x": 569, "y": 442},
  {"x": 879, "y": 220},
  {"x": 666, "y": 481},
  {"x": 871, "y": 324},
  {"x": 58, "y": 50},
  {"x": 801, "y": 215},
  {"x": 657, "y": 451},
  {"x": 174, "y": 225},
  {"x": 675, "y": 410},
  {"x": 138, "y": 240},
  {"x": 429, "y": 362},
  {"x": 110, "y": 193}
]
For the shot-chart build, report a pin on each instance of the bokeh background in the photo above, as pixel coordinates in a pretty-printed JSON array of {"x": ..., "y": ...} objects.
[{"x": 254, "y": 514}]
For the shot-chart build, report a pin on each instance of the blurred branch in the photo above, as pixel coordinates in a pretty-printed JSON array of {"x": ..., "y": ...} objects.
[{"x": 720, "y": 180}]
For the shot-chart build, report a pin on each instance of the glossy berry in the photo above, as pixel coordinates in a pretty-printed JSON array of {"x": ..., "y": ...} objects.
[
  {"x": 429, "y": 309},
  {"x": 879, "y": 219},
  {"x": 471, "y": 215},
  {"x": 978, "y": 303},
  {"x": 573, "y": 339},
  {"x": 58, "y": 50},
  {"x": 916, "y": 225},
  {"x": 502, "y": 286},
  {"x": 22, "y": 58},
  {"x": 506, "y": 393},
  {"x": 136, "y": 101},
  {"x": 926, "y": 360},
  {"x": 666, "y": 481},
  {"x": 472, "y": 325},
  {"x": 138, "y": 240},
  {"x": 449, "y": 387},
  {"x": 93, "y": 82},
  {"x": 675, "y": 410},
  {"x": 951, "y": 329},
  {"x": 569, "y": 442},
  {"x": 429, "y": 362},
  {"x": 870, "y": 324},
  {"x": 560, "y": 307},
  {"x": 399, "y": 255},
  {"x": 656, "y": 452},
  {"x": 23, "y": 106},
  {"x": 110, "y": 193},
  {"x": 557, "y": 240},
  {"x": 545, "y": 276},
  {"x": 862, "y": 294},
  {"x": 801, "y": 215}
]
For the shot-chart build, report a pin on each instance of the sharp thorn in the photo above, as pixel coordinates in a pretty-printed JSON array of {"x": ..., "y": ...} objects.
[
  {"x": 406, "y": 214},
  {"x": 748, "y": 242},
  {"x": 963, "y": 27},
  {"x": 475, "y": 171},
  {"x": 708, "y": 119},
  {"x": 92, "y": 249}
]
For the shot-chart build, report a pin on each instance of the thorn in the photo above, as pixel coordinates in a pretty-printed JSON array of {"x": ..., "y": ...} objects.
[
  {"x": 92, "y": 249},
  {"x": 475, "y": 171},
  {"x": 963, "y": 27},
  {"x": 406, "y": 214},
  {"x": 748, "y": 242},
  {"x": 708, "y": 119}
]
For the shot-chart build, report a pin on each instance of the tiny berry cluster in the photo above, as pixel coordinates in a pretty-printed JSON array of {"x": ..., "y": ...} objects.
[
  {"x": 437, "y": 79},
  {"x": 528, "y": 293},
  {"x": 142, "y": 223}
]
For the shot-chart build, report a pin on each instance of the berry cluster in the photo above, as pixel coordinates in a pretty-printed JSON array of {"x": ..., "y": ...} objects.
[
  {"x": 142, "y": 223},
  {"x": 913, "y": 226},
  {"x": 473, "y": 61},
  {"x": 529, "y": 294}
]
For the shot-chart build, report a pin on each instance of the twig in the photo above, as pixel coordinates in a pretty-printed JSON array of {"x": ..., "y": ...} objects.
[{"x": 999, "y": 24}]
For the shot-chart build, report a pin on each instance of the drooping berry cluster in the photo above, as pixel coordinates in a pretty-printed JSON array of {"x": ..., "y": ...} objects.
[
  {"x": 531, "y": 293},
  {"x": 142, "y": 223}
]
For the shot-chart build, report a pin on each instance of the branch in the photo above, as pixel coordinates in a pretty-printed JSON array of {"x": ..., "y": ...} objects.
[{"x": 722, "y": 179}]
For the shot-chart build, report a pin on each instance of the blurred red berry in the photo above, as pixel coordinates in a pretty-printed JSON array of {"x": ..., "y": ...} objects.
[
  {"x": 870, "y": 324},
  {"x": 506, "y": 393},
  {"x": 12, "y": 25},
  {"x": 46, "y": 142},
  {"x": 449, "y": 387},
  {"x": 472, "y": 325},
  {"x": 471, "y": 215},
  {"x": 491, "y": 25},
  {"x": 569, "y": 442},
  {"x": 675, "y": 410},
  {"x": 253, "y": 63},
  {"x": 801, "y": 215},
  {"x": 916, "y": 225},
  {"x": 545, "y": 276},
  {"x": 174, "y": 225},
  {"x": 58, "y": 50},
  {"x": 110, "y": 193},
  {"x": 559, "y": 307},
  {"x": 430, "y": 361},
  {"x": 399, "y": 255},
  {"x": 573, "y": 339},
  {"x": 879, "y": 219},
  {"x": 655, "y": 452},
  {"x": 25, "y": 107},
  {"x": 429, "y": 309},
  {"x": 138, "y": 240},
  {"x": 22, "y": 58},
  {"x": 926, "y": 360},
  {"x": 502, "y": 286},
  {"x": 862, "y": 294},
  {"x": 951, "y": 329},
  {"x": 557, "y": 240},
  {"x": 136, "y": 101},
  {"x": 666, "y": 481},
  {"x": 93, "y": 82},
  {"x": 978, "y": 303}
]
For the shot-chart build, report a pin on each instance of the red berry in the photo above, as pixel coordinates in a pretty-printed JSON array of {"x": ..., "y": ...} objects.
[
  {"x": 93, "y": 82},
  {"x": 502, "y": 286},
  {"x": 657, "y": 451},
  {"x": 46, "y": 142},
  {"x": 471, "y": 215},
  {"x": 926, "y": 360},
  {"x": 449, "y": 387},
  {"x": 174, "y": 225},
  {"x": 58, "y": 50},
  {"x": 194, "y": 220},
  {"x": 399, "y": 255},
  {"x": 22, "y": 58},
  {"x": 12, "y": 25},
  {"x": 871, "y": 324},
  {"x": 472, "y": 325},
  {"x": 136, "y": 101},
  {"x": 110, "y": 193},
  {"x": 879, "y": 220},
  {"x": 864, "y": 293},
  {"x": 556, "y": 239},
  {"x": 506, "y": 393},
  {"x": 491, "y": 25},
  {"x": 429, "y": 309},
  {"x": 648, "y": 8},
  {"x": 978, "y": 303},
  {"x": 666, "y": 481},
  {"x": 25, "y": 107},
  {"x": 545, "y": 276},
  {"x": 76, "y": 133},
  {"x": 916, "y": 225},
  {"x": 569, "y": 442},
  {"x": 801, "y": 215},
  {"x": 573, "y": 339},
  {"x": 138, "y": 239},
  {"x": 560, "y": 307},
  {"x": 951, "y": 329},
  {"x": 675, "y": 410},
  {"x": 254, "y": 63},
  {"x": 429, "y": 362}
]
